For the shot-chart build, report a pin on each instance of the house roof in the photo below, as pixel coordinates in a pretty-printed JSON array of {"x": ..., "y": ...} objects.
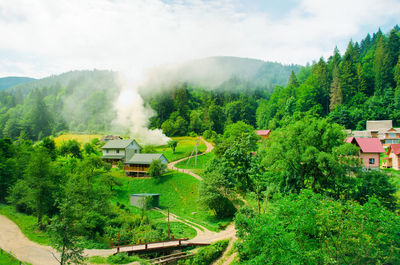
[
  {"x": 112, "y": 156},
  {"x": 144, "y": 159},
  {"x": 378, "y": 125},
  {"x": 395, "y": 148},
  {"x": 367, "y": 145},
  {"x": 117, "y": 144},
  {"x": 263, "y": 132}
]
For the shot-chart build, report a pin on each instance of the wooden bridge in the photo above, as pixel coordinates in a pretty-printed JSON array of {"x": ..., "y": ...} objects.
[{"x": 157, "y": 246}]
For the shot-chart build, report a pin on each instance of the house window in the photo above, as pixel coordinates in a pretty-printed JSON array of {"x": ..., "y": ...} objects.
[
  {"x": 372, "y": 161},
  {"x": 117, "y": 151},
  {"x": 392, "y": 135},
  {"x": 107, "y": 151}
]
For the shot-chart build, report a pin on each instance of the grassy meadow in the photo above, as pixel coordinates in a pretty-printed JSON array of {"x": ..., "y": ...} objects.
[{"x": 184, "y": 148}]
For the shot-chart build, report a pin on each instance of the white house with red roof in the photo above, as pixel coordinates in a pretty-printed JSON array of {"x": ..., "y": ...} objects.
[
  {"x": 393, "y": 157},
  {"x": 370, "y": 150},
  {"x": 263, "y": 133}
]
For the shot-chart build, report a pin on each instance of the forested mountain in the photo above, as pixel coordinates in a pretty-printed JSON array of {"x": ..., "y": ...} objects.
[
  {"x": 84, "y": 100},
  {"x": 10, "y": 81},
  {"x": 77, "y": 100}
]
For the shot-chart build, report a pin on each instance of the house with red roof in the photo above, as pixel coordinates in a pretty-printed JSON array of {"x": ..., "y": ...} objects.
[
  {"x": 393, "y": 157},
  {"x": 263, "y": 133},
  {"x": 370, "y": 150}
]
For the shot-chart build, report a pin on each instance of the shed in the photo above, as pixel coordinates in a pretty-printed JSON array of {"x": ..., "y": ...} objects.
[{"x": 145, "y": 200}]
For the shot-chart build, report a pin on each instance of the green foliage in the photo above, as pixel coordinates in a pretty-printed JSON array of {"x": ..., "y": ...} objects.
[
  {"x": 206, "y": 255},
  {"x": 172, "y": 144},
  {"x": 72, "y": 148},
  {"x": 122, "y": 258},
  {"x": 311, "y": 229},
  {"x": 148, "y": 149},
  {"x": 157, "y": 168}
]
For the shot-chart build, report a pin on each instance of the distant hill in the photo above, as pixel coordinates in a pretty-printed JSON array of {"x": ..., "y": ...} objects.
[
  {"x": 10, "y": 81},
  {"x": 213, "y": 72}
]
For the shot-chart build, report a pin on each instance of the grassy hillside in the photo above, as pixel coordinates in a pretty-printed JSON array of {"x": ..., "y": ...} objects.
[
  {"x": 184, "y": 148},
  {"x": 179, "y": 193},
  {"x": 82, "y": 138}
]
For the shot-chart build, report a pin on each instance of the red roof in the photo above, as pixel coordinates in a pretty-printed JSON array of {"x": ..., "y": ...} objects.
[
  {"x": 395, "y": 148},
  {"x": 349, "y": 139},
  {"x": 263, "y": 132},
  {"x": 369, "y": 145}
]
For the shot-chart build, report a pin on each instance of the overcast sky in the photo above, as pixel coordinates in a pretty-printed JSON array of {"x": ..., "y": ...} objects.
[{"x": 44, "y": 37}]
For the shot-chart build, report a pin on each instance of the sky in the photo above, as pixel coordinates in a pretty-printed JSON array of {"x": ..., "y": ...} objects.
[{"x": 45, "y": 37}]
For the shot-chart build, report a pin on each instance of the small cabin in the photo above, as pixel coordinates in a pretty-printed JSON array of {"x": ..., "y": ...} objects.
[
  {"x": 393, "y": 157},
  {"x": 145, "y": 200},
  {"x": 263, "y": 133}
]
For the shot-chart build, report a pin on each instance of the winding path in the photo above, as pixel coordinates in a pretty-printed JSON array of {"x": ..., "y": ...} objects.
[
  {"x": 171, "y": 165},
  {"x": 14, "y": 241}
]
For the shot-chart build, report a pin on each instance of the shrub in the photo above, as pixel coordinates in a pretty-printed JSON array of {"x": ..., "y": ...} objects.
[{"x": 207, "y": 254}]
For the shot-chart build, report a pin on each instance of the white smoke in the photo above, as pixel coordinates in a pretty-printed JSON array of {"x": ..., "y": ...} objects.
[{"x": 134, "y": 115}]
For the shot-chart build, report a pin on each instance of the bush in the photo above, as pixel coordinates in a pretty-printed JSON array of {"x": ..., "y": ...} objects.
[
  {"x": 122, "y": 258},
  {"x": 207, "y": 254}
]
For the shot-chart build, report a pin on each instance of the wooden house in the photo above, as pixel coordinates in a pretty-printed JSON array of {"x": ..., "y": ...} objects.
[
  {"x": 139, "y": 164},
  {"x": 263, "y": 133},
  {"x": 370, "y": 150},
  {"x": 393, "y": 157},
  {"x": 119, "y": 150}
]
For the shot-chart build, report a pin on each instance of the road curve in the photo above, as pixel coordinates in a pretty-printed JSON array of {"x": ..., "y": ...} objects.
[{"x": 171, "y": 165}]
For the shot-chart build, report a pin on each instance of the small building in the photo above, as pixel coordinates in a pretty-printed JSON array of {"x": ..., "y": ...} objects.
[
  {"x": 145, "y": 200},
  {"x": 139, "y": 164},
  {"x": 119, "y": 150},
  {"x": 370, "y": 150},
  {"x": 393, "y": 157},
  {"x": 263, "y": 133},
  {"x": 107, "y": 138}
]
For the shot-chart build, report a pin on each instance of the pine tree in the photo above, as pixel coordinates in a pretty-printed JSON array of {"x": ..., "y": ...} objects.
[
  {"x": 322, "y": 74},
  {"x": 348, "y": 74},
  {"x": 382, "y": 70},
  {"x": 361, "y": 81},
  {"x": 293, "y": 80},
  {"x": 397, "y": 74},
  {"x": 393, "y": 48},
  {"x": 336, "y": 90}
]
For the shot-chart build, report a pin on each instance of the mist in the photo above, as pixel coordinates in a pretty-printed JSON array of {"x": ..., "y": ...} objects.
[{"x": 133, "y": 115}]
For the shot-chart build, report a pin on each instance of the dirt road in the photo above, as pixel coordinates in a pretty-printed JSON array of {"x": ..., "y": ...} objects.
[
  {"x": 13, "y": 241},
  {"x": 171, "y": 165}
]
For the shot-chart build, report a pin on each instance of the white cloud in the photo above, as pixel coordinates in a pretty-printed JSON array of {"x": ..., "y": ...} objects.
[{"x": 131, "y": 36}]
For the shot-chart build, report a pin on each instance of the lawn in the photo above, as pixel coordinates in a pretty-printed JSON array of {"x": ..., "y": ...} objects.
[
  {"x": 179, "y": 193},
  {"x": 82, "y": 138},
  {"x": 202, "y": 162},
  {"x": 27, "y": 224},
  {"x": 184, "y": 148},
  {"x": 7, "y": 259}
]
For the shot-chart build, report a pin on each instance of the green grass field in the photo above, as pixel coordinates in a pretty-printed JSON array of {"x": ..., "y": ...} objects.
[
  {"x": 27, "y": 224},
  {"x": 179, "y": 193},
  {"x": 202, "y": 162},
  {"x": 184, "y": 148},
  {"x": 7, "y": 259}
]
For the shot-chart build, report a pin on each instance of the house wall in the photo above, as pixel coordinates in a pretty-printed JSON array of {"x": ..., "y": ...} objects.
[
  {"x": 132, "y": 149},
  {"x": 366, "y": 156},
  {"x": 113, "y": 152},
  {"x": 395, "y": 161}
]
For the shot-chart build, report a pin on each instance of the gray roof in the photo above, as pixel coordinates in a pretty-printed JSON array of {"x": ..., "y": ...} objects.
[
  {"x": 113, "y": 156},
  {"x": 144, "y": 159},
  {"x": 117, "y": 144}
]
